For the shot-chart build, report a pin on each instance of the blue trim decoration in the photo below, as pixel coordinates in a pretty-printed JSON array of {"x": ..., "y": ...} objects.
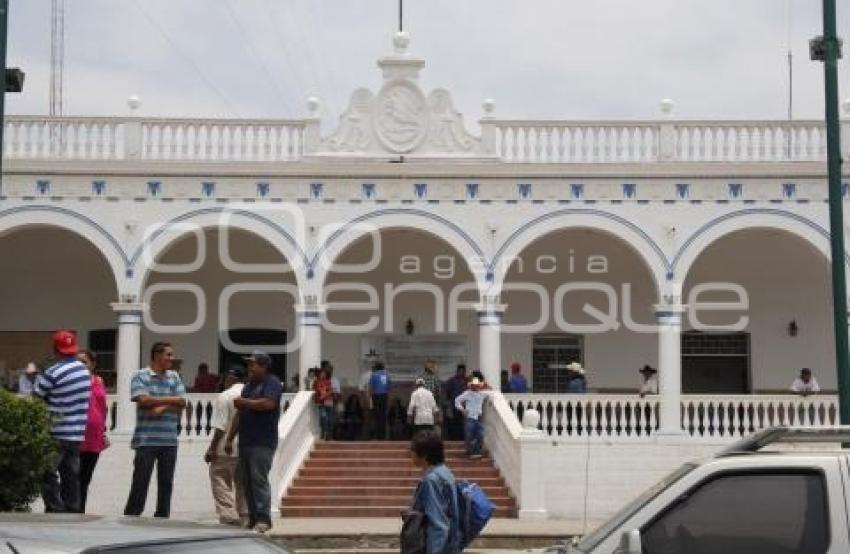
[
  {"x": 316, "y": 190},
  {"x": 629, "y": 190},
  {"x": 742, "y": 213},
  {"x": 472, "y": 190},
  {"x": 98, "y": 187},
  {"x": 580, "y": 211},
  {"x": 683, "y": 190},
  {"x": 262, "y": 189},
  {"x": 420, "y": 190},
  {"x": 42, "y": 186},
  {"x": 845, "y": 190},
  {"x": 245, "y": 213},
  {"x": 458, "y": 230},
  {"x": 208, "y": 188},
  {"x": 736, "y": 190},
  {"x": 154, "y": 188},
  {"x": 789, "y": 190},
  {"x": 74, "y": 215},
  {"x": 524, "y": 190},
  {"x": 577, "y": 190},
  {"x": 367, "y": 190}
]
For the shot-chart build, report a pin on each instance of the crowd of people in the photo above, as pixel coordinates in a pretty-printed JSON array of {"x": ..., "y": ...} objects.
[{"x": 245, "y": 423}]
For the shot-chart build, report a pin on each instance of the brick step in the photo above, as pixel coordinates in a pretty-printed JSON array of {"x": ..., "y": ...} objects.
[
  {"x": 347, "y": 454},
  {"x": 310, "y": 501},
  {"x": 384, "y": 463},
  {"x": 355, "y": 491},
  {"x": 378, "y": 482},
  {"x": 376, "y": 471},
  {"x": 365, "y": 445},
  {"x": 363, "y": 511}
]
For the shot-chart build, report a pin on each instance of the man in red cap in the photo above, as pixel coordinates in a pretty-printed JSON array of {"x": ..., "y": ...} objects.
[{"x": 65, "y": 387}]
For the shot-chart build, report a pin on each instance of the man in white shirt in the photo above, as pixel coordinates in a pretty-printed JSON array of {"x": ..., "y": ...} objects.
[
  {"x": 805, "y": 384},
  {"x": 227, "y": 491},
  {"x": 649, "y": 383},
  {"x": 422, "y": 408}
]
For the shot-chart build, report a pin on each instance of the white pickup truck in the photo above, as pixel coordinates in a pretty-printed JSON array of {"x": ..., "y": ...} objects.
[{"x": 745, "y": 500}]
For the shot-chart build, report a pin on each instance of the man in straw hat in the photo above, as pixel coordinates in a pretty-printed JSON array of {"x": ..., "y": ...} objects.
[
  {"x": 576, "y": 380},
  {"x": 471, "y": 405}
]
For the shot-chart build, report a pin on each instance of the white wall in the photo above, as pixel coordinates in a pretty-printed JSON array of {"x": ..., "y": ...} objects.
[{"x": 785, "y": 279}]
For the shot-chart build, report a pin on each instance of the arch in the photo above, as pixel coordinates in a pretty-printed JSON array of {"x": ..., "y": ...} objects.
[
  {"x": 22, "y": 217},
  {"x": 756, "y": 218},
  {"x": 161, "y": 238},
  {"x": 618, "y": 227},
  {"x": 398, "y": 218}
]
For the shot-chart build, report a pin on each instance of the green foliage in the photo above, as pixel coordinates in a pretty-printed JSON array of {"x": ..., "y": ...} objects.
[{"x": 26, "y": 450}]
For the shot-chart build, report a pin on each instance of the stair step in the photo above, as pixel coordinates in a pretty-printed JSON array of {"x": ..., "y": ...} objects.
[
  {"x": 363, "y": 511},
  {"x": 366, "y": 445},
  {"x": 365, "y": 501},
  {"x": 463, "y": 473},
  {"x": 355, "y": 491},
  {"x": 348, "y": 454},
  {"x": 379, "y": 482},
  {"x": 390, "y": 462}
]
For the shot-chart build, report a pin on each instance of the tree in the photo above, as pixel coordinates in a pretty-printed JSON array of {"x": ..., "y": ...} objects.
[{"x": 26, "y": 450}]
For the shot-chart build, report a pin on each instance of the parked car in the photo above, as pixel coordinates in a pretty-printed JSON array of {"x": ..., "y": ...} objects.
[
  {"x": 744, "y": 500},
  {"x": 66, "y": 533}
]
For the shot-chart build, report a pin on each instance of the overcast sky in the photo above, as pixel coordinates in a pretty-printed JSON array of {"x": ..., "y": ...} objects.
[{"x": 561, "y": 59}]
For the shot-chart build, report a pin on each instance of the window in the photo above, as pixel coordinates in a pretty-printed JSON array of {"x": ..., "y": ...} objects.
[
  {"x": 102, "y": 343},
  {"x": 549, "y": 358},
  {"x": 772, "y": 513},
  {"x": 715, "y": 363}
]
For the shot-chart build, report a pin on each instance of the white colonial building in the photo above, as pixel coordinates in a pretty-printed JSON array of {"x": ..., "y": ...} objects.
[{"x": 408, "y": 232}]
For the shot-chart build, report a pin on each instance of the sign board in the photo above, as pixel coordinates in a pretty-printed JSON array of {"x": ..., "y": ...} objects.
[{"x": 405, "y": 355}]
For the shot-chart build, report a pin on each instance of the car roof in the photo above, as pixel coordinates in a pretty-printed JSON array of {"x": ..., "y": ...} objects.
[{"x": 73, "y": 532}]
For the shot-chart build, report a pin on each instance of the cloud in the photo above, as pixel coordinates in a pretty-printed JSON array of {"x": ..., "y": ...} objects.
[{"x": 606, "y": 59}]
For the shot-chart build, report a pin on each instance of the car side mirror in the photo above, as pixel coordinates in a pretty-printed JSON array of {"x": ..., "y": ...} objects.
[{"x": 630, "y": 543}]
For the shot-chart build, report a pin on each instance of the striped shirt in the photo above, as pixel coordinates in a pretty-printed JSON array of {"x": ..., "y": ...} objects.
[
  {"x": 66, "y": 387},
  {"x": 151, "y": 429}
]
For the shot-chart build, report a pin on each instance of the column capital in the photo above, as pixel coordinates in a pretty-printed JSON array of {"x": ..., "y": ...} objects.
[
  {"x": 306, "y": 309},
  {"x": 129, "y": 312}
]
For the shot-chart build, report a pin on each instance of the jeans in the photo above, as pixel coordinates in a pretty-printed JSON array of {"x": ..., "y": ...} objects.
[
  {"x": 326, "y": 421},
  {"x": 165, "y": 458},
  {"x": 60, "y": 486},
  {"x": 379, "y": 414},
  {"x": 473, "y": 435},
  {"x": 88, "y": 461},
  {"x": 255, "y": 462}
]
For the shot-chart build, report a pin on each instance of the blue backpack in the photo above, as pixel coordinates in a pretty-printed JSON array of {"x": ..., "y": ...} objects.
[{"x": 475, "y": 510}]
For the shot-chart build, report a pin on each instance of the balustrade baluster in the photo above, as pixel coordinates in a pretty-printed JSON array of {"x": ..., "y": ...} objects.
[
  {"x": 559, "y": 417},
  {"x": 561, "y": 134}
]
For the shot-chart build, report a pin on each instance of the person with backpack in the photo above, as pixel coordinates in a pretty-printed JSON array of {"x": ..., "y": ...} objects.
[{"x": 433, "y": 524}]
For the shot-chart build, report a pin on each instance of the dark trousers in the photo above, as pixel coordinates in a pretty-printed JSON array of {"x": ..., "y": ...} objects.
[
  {"x": 473, "y": 435},
  {"x": 88, "y": 461},
  {"x": 326, "y": 421},
  {"x": 165, "y": 458},
  {"x": 60, "y": 486},
  {"x": 419, "y": 428},
  {"x": 379, "y": 416},
  {"x": 454, "y": 427},
  {"x": 255, "y": 462}
]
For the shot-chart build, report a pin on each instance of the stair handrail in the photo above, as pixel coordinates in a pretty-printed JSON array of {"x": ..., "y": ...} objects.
[
  {"x": 516, "y": 449},
  {"x": 298, "y": 430}
]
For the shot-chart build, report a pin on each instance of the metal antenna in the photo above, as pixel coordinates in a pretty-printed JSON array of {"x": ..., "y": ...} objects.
[{"x": 57, "y": 55}]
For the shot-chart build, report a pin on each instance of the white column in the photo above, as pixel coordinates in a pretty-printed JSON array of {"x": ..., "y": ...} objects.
[
  {"x": 669, "y": 319},
  {"x": 310, "y": 347},
  {"x": 490, "y": 340},
  {"x": 533, "y": 443},
  {"x": 127, "y": 360}
]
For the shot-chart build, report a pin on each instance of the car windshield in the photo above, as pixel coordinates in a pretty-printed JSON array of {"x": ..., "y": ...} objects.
[
  {"x": 246, "y": 545},
  {"x": 602, "y": 532}
]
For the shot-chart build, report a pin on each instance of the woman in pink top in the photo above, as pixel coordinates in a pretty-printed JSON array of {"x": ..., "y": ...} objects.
[{"x": 96, "y": 440}]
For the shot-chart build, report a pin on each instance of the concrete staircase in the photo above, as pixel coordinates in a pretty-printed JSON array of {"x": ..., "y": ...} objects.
[{"x": 377, "y": 479}]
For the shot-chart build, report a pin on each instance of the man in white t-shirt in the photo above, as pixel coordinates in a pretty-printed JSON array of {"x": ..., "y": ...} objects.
[
  {"x": 422, "y": 409},
  {"x": 227, "y": 491},
  {"x": 805, "y": 384}
]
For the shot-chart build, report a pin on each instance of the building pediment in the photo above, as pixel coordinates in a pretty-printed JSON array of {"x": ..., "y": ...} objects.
[{"x": 400, "y": 119}]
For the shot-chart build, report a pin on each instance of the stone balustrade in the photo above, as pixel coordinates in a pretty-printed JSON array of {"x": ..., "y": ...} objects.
[
  {"x": 196, "y": 418},
  {"x": 514, "y": 141},
  {"x": 565, "y": 416}
]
